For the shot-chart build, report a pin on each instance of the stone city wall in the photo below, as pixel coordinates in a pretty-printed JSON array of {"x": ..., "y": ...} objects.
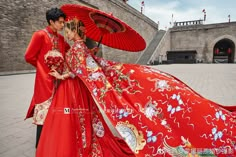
[
  {"x": 201, "y": 38},
  {"x": 20, "y": 18}
]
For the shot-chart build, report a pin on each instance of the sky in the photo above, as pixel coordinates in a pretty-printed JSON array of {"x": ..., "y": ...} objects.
[{"x": 168, "y": 11}]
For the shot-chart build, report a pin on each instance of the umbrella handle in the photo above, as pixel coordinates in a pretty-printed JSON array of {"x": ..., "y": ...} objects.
[
  {"x": 100, "y": 41},
  {"x": 99, "y": 44}
]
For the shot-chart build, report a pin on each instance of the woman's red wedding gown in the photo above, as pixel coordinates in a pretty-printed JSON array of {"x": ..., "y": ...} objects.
[
  {"x": 154, "y": 112},
  {"x": 74, "y": 126}
]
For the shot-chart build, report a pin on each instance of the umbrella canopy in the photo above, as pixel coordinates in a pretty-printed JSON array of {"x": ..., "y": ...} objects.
[{"x": 105, "y": 28}]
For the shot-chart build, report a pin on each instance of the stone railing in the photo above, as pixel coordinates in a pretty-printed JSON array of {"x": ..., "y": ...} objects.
[{"x": 187, "y": 23}]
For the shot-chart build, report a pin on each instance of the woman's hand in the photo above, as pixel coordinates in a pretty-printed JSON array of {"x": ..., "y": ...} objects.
[{"x": 55, "y": 74}]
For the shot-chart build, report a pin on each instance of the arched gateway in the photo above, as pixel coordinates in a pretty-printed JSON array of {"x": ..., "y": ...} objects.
[{"x": 224, "y": 51}]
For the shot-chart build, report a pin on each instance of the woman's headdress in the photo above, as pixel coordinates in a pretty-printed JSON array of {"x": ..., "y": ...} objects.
[{"x": 75, "y": 24}]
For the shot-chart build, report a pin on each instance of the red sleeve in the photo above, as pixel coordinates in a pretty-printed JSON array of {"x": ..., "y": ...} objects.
[
  {"x": 33, "y": 49},
  {"x": 67, "y": 46}
]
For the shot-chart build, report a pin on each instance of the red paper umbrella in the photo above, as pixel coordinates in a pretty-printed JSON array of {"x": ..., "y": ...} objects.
[{"x": 105, "y": 28}]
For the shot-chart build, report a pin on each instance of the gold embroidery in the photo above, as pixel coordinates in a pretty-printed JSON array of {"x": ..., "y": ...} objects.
[{"x": 132, "y": 136}]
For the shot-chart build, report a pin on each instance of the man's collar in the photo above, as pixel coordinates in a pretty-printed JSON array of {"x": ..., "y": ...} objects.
[{"x": 50, "y": 30}]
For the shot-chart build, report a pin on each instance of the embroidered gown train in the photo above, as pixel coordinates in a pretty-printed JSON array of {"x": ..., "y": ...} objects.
[{"x": 155, "y": 113}]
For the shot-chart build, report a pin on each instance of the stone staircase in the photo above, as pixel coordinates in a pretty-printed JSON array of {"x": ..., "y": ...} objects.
[{"x": 145, "y": 57}]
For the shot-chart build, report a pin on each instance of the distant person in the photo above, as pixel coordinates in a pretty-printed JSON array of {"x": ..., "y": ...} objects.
[{"x": 44, "y": 42}]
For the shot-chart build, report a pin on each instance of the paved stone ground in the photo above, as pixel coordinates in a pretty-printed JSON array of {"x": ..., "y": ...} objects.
[
  {"x": 17, "y": 137},
  {"x": 216, "y": 82}
]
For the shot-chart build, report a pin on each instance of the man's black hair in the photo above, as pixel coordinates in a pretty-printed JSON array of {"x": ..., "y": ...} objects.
[{"x": 54, "y": 14}]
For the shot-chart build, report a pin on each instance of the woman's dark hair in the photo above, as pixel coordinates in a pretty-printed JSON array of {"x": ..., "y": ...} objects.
[
  {"x": 81, "y": 34},
  {"x": 54, "y": 14}
]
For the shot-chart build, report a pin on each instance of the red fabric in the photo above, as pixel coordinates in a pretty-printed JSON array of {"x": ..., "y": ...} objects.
[
  {"x": 39, "y": 45},
  {"x": 153, "y": 111},
  {"x": 62, "y": 133},
  {"x": 229, "y": 108}
]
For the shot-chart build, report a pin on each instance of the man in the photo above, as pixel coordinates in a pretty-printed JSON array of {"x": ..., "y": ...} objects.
[{"x": 41, "y": 43}]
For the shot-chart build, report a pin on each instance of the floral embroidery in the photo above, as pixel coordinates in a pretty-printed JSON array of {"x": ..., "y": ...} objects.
[
  {"x": 82, "y": 128},
  {"x": 95, "y": 76},
  {"x": 95, "y": 93},
  {"x": 122, "y": 81},
  {"x": 150, "y": 137},
  {"x": 150, "y": 110},
  {"x": 122, "y": 113},
  {"x": 40, "y": 112},
  {"x": 216, "y": 134},
  {"x": 172, "y": 109},
  {"x": 98, "y": 128},
  {"x": 178, "y": 108},
  {"x": 220, "y": 115},
  {"x": 79, "y": 71},
  {"x": 163, "y": 122},
  {"x": 160, "y": 85},
  {"x": 177, "y": 97}
]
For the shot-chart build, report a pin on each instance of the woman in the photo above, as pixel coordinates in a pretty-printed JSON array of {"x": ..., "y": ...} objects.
[{"x": 156, "y": 114}]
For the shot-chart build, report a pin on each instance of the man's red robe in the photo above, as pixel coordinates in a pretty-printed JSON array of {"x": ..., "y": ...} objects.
[{"x": 39, "y": 45}]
